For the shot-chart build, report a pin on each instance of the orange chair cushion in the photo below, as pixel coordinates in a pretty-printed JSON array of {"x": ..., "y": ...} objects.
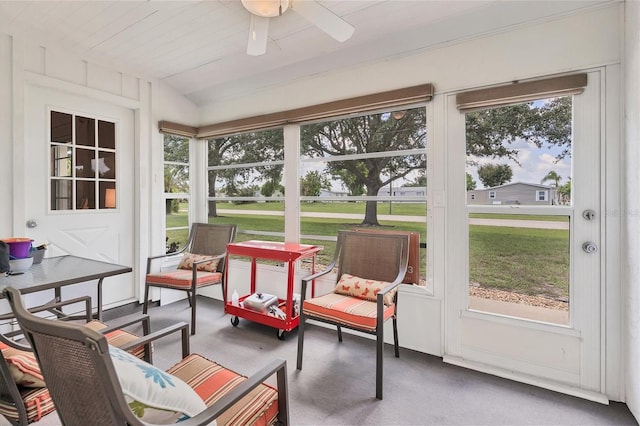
[
  {"x": 118, "y": 338},
  {"x": 350, "y": 285},
  {"x": 37, "y": 401},
  {"x": 181, "y": 278},
  {"x": 350, "y": 311},
  {"x": 24, "y": 367},
  {"x": 211, "y": 382},
  {"x": 188, "y": 259}
]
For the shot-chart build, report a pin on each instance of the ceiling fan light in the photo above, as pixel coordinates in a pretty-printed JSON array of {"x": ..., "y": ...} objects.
[{"x": 266, "y": 8}]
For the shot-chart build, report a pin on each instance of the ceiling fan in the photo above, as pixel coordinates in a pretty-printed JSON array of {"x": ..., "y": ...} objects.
[{"x": 312, "y": 11}]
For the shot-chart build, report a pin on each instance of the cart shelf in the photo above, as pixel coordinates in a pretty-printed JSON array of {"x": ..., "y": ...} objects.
[{"x": 283, "y": 252}]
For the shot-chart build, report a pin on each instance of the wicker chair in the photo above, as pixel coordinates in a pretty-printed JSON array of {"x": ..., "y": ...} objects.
[
  {"x": 209, "y": 244},
  {"x": 370, "y": 268},
  {"x": 91, "y": 392},
  {"x": 22, "y": 404}
]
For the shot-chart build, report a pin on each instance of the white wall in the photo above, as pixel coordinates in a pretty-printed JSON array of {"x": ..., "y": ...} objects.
[
  {"x": 22, "y": 63},
  {"x": 630, "y": 244}
]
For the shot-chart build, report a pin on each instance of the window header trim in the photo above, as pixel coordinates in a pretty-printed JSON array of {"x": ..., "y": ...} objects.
[
  {"x": 521, "y": 92},
  {"x": 391, "y": 99}
]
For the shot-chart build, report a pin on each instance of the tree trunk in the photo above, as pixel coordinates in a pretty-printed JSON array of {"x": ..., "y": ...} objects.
[
  {"x": 213, "y": 209},
  {"x": 371, "y": 209},
  {"x": 167, "y": 207}
]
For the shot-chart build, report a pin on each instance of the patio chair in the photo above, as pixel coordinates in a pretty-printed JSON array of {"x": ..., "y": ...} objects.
[
  {"x": 202, "y": 264},
  {"x": 370, "y": 267},
  {"x": 24, "y": 398},
  {"x": 106, "y": 386}
]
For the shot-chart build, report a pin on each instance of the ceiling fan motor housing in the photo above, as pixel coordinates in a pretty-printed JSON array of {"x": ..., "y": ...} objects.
[{"x": 266, "y": 8}]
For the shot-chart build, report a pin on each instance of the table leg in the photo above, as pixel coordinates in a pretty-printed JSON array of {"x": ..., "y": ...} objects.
[{"x": 100, "y": 299}]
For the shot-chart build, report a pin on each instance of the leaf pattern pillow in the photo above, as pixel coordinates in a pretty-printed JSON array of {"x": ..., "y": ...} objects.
[
  {"x": 189, "y": 258},
  {"x": 363, "y": 288},
  {"x": 152, "y": 394}
]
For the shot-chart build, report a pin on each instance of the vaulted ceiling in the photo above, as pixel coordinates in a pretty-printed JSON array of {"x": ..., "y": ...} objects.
[{"x": 199, "y": 47}]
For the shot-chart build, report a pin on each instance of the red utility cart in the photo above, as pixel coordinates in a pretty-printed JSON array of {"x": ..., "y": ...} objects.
[{"x": 282, "y": 252}]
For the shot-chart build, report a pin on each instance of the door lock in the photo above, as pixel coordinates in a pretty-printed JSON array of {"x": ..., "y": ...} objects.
[
  {"x": 32, "y": 224},
  {"x": 589, "y": 247},
  {"x": 589, "y": 214}
]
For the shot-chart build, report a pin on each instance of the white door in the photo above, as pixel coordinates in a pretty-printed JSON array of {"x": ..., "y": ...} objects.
[
  {"x": 79, "y": 176},
  {"x": 498, "y": 231}
]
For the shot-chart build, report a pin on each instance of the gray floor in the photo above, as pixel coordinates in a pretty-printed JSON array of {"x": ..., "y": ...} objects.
[{"x": 336, "y": 385}]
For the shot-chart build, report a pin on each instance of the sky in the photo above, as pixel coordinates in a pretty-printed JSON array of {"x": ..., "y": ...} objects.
[{"x": 535, "y": 163}]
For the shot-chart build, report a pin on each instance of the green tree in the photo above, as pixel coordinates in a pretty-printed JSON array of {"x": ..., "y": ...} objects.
[
  {"x": 421, "y": 180},
  {"x": 270, "y": 187},
  {"x": 555, "y": 178},
  {"x": 253, "y": 147},
  {"x": 471, "y": 183},
  {"x": 312, "y": 183},
  {"x": 494, "y": 174},
  {"x": 564, "y": 193},
  {"x": 364, "y": 135},
  {"x": 491, "y": 132}
]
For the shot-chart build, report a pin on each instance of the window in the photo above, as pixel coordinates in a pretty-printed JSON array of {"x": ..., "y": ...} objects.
[
  {"x": 176, "y": 191},
  {"x": 542, "y": 195},
  {"x": 245, "y": 181},
  {"x": 364, "y": 171},
  {"x": 82, "y": 162}
]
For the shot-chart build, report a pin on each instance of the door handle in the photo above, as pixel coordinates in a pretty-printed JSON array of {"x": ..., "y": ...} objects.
[
  {"x": 589, "y": 247},
  {"x": 32, "y": 224}
]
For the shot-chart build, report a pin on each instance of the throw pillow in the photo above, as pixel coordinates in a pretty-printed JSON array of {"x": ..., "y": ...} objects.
[
  {"x": 152, "y": 394},
  {"x": 23, "y": 367},
  {"x": 363, "y": 288},
  {"x": 188, "y": 260}
]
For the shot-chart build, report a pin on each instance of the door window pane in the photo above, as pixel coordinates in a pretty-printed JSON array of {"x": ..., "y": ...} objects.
[
  {"x": 519, "y": 157},
  {"x": 91, "y": 171}
]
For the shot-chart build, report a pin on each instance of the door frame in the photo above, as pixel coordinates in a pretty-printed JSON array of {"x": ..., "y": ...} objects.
[{"x": 571, "y": 358}]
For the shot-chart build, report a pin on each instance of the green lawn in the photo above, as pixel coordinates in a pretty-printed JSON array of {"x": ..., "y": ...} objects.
[{"x": 524, "y": 260}]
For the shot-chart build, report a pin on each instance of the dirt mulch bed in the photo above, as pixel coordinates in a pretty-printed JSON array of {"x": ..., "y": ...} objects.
[{"x": 507, "y": 296}]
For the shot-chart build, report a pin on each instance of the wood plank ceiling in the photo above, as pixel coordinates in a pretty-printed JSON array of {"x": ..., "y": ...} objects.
[{"x": 199, "y": 47}]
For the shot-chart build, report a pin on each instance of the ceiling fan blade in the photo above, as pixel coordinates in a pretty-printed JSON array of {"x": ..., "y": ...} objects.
[
  {"x": 258, "y": 32},
  {"x": 324, "y": 19}
]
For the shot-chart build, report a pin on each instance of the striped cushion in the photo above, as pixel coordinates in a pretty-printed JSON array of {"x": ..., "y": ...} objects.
[
  {"x": 118, "y": 338},
  {"x": 347, "y": 310},
  {"x": 37, "y": 401},
  {"x": 212, "y": 381},
  {"x": 181, "y": 278},
  {"x": 23, "y": 367}
]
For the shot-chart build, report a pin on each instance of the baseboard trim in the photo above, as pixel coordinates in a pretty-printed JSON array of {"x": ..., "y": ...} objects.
[{"x": 530, "y": 380}]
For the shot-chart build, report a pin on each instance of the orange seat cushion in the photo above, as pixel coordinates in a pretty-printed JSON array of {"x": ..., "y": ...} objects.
[
  {"x": 118, "y": 338},
  {"x": 37, "y": 401},
  {"x": 347, "y": 310},
  {"x": 181, "y": 278},
  {"x": 211, "y": 382}
]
